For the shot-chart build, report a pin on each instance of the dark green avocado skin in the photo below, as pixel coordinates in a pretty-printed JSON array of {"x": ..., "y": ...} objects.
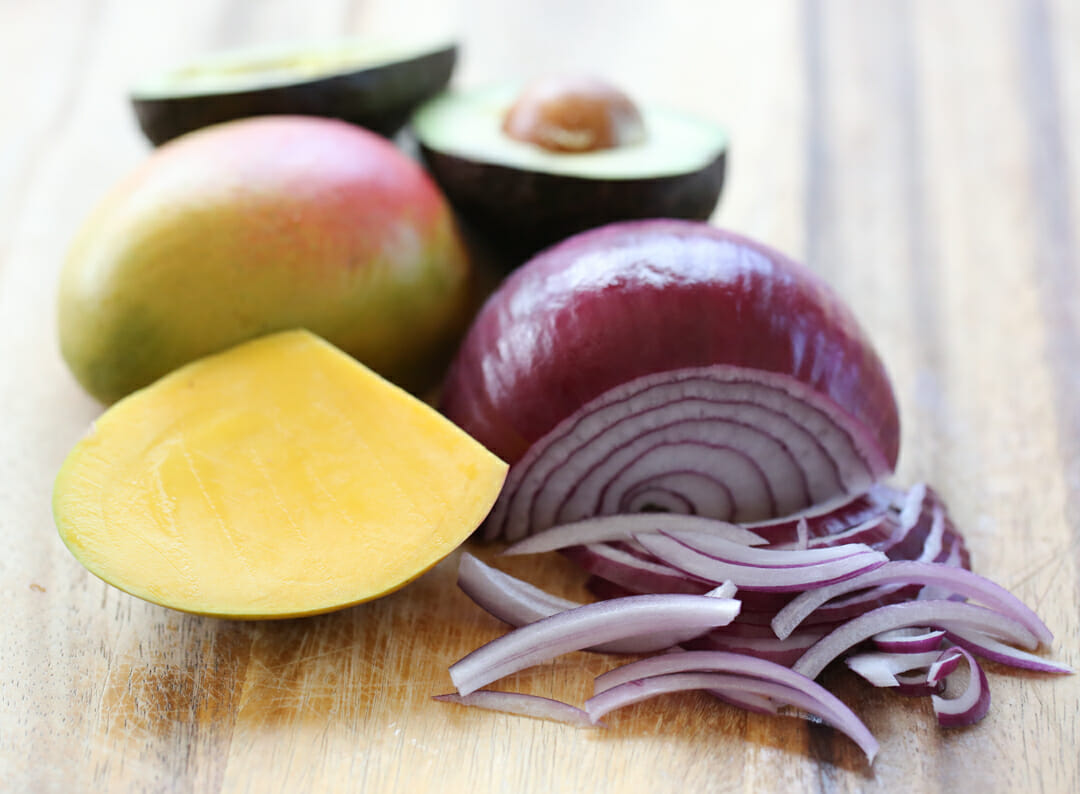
[
  {"x": 521, "y": 211},
  {"x": 380, "y": 98}
]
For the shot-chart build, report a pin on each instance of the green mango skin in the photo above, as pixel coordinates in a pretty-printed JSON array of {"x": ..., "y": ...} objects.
[{"x": 262, "y": 225}]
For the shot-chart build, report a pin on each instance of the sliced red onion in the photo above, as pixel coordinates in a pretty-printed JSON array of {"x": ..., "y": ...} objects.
[
  {"x": 944, "y": 665},
  {"x": 858, "y": 603},
  {"x": 506, "y": 597},
  {"x": 746, "y": 701},
  {"x": 880, "y": 669},
  {"x": 938, "y": 614},
  {"x": 912, "y": 639},
  {"x": 750, "y": 577},
  {"x": 632, "y": 572},
  {"x": 989, "y": 648},
  {"x": 519, "y": 603},
  {"x": 802, "y": 534},
  {"x": 832, "y": 517},
  {"x": 873, "y": 532},
  {"x": 910, "y": 542},
  {"x": 957, "y": 580},
  {"x": 915, "y": 685},
  {"x": 741, "y": 554},
  {"x": 783, "y": 652},
  {"x": 805, "y": 695},
  {"x": 523, "y": 705},
  {"x": 588, "y": 626},
  {"x": 966, "y": 708},
  {"x": 709, "y": 662},
  {"x": 726, "y": 590},
  {"x": 933, "y": 544},
  {"x": 913, "y": 502},
  {"x": 603, "y": 529}
]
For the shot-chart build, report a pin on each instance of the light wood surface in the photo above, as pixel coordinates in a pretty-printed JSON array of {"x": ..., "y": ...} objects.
[{"x": 921, "y": 155}]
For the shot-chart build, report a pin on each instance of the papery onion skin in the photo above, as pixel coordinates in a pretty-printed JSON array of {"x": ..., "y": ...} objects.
[{"x": 632, "y": 299}]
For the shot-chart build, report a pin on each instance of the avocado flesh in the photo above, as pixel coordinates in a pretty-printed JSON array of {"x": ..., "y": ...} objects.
[
  {"x": 522, "y": 198},
  {"x": 373, "y": 85}
]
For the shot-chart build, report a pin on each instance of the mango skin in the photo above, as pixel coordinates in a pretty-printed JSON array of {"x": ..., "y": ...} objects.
[{"x": 256, "y": 226}]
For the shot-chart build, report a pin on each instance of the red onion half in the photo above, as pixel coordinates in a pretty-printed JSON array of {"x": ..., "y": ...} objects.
[{"x": 670, "y": 365}]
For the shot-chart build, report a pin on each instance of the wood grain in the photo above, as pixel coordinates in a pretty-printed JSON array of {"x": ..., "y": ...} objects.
[{"x": 921, "y": 155}]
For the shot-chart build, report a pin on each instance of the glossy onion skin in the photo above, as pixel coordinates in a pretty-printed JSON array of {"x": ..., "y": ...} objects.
[{"x": 636, "y": 298}]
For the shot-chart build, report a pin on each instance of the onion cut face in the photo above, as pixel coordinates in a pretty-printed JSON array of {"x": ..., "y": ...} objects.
[
  {"x": 691, "y": 417},
  {"x": 719, "y": 441}
]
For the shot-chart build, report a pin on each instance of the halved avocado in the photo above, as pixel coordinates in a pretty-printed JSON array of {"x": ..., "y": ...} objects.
[
  {"x": 524, "y": 196},
  {"x": 374, "y": 85}
]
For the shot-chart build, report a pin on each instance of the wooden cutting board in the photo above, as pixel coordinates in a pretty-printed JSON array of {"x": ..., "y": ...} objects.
[{"x": 921, "y": 156}]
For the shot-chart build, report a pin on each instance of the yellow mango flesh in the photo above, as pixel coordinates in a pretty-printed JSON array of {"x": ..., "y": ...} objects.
[{"x": 279, "y": 478}]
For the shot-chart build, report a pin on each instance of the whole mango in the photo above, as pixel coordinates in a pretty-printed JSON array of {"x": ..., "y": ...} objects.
[{"x": 256, "y": 226}]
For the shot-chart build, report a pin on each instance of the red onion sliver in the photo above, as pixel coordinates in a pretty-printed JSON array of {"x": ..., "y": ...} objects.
[
  {"x": 588, "y": 626},
  {"x": 944, "y": 665},
  {"x": 519, "y": 603},
  {"x": 802, "y": 534},
  {"x": 880, "y": 669},
  {"x": 749, "y": 577},
  {"x": 783, "y": 652},
  {"x": 746, "y": 701},
  {"x": 805, "y": 695},
  {"x": 623, "y": 527},
  {"x": 506, "y": 597},
  {"x": 709, "y": 662},
  {"x": 726, "y": 590},
  {"x": 933, "y": 544},
  {"x": 832, "y": 517},
  {"x": 913, "y": 502},
  {"x": 523, "y": 705},
  {"x": 989, "y": 648},
  {"x": 909, "y": 640},
  {"x": 967, "y": 708},
  {"x": 939, "y": 614},
  {"x": 957, "y": 580},
  {"x": 858, "y": 603},
  {"x": 632, "y": 572},
  {"x": 741, "y": 554},
  {"x": 915, "y": 685}
]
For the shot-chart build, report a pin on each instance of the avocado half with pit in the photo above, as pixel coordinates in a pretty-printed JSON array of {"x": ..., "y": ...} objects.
[
  {"x": 527, "y": 168},
  {"x": 375, "y": 85}
]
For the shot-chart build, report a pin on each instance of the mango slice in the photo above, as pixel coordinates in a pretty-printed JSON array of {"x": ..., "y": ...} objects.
[{"x": 277, "y": 479}]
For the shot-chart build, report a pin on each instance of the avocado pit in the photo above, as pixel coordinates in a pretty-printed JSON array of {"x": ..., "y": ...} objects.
[{"x": 574, "y": 114}]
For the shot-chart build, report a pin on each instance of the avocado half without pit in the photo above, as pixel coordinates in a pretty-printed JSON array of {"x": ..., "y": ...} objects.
[
  {"x": 527, "y": 168},
  {"x": 376, "y": 85}
]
